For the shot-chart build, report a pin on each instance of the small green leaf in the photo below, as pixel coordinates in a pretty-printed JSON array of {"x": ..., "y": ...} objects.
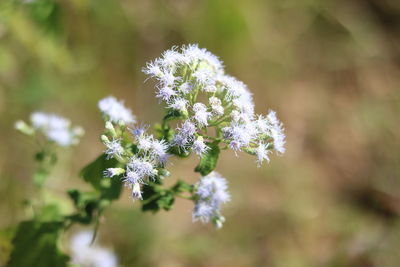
[
  {"x": 35, "y": 245},
  {"x": 50, "y": 212},
  {"x": 40, "y": 156},
  {"x": 173, "y": 115},
  {"x": 156, "y": 198},
  {"x": 182, "y": 186},
  {"x": 93, "y": 174},
  {"x": 175, "y": 150},
  {"x": 39, "y": 177},
  {"x": 208, "y": 161},
  {"x": 166, "y": 200},
  {"x": 87, "y": 203}
]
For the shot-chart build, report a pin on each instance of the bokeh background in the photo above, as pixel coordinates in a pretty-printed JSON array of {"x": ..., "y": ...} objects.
[{"x": 331, "y": 69}]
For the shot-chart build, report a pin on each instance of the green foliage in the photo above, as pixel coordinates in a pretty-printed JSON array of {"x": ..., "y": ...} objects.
[
  {"x": 46, "y": 14},
  {"x": 173, "y": 115},
  {"x": 91, "y": 204},
  {"x": 39, "y": 177},
  {"x": 156, "y": 198},
  {"x": 86, "y": 203},
  {"x": 164, "y": 132},
  {"x": 109, "y": 189},
  {"x": 49, "y": 213},
  {"x": 181, "y": 186},
  {"x": 35, "y": 245},
  {"x": 208, "y": 161}
]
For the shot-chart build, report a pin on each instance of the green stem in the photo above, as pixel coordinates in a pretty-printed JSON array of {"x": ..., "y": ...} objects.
[{"x": 184, "y": 197}]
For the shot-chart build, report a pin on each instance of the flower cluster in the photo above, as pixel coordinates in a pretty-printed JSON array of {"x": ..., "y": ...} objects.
[
  {"x": 87, "y": 255},
  {"x": 55, "y": 128},
  {"x": 192, "y": 81},
  {"x": 210, "y": 192},
  {"x": 115, "y": 111},
  {"x": 143, "y": 158}
]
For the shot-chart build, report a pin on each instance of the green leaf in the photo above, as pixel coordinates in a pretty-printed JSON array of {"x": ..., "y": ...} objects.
[
  {"x": 182, "y": 186},
  {"x": 177, "y": 151},
  {"x": 39, "y": 177},
  {"x": 35, "y": 245},
  {"x": 40, "y": 156},
  {"x": 164, "y": 132},
  {"x": 173, "y": 115},
  {"x": 93, "y": 173},
  {"x": 87, "y": 204},
  {"x": 6, "y": 236},
  {"x": 46, "y": 14},
  {"x": 49, "y": 212},
  {"x": 156, "y": 198},
  {"x": 208, "y": 161}
]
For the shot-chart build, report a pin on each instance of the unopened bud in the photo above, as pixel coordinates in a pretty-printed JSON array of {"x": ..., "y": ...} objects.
[{"x": 24, "y": 128}]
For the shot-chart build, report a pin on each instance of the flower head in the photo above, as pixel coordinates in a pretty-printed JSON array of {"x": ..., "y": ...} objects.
[
  {"x": 55, "y": 128},
  {"x": 199, "y": 147},
  {"x": 87, "y": 255},
  {"x": 114, "y": 149},
  {"x": 211, "y": 192},
  {"x": 115, "y": 111},
  {"x": 189, "y": 74}
]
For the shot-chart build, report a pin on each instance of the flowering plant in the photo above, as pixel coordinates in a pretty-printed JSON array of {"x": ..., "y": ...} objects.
[{"x": 206, "y": 111}]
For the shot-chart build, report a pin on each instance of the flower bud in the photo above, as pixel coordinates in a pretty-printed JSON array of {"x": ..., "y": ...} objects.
[
  {"x": 104, "y": 139},
  {"x": 110, "y": 128},
  {"x": 24, "y": 128}
]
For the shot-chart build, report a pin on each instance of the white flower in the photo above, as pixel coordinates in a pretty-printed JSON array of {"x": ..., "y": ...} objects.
[
  {"x": 262, "y": 153},
  {"x": 114, "y": 149},
  {"x": 132, "y": 177},
  {"x": 40, "y": 120},
  {"x": 190, "y": 74},
  {"x": 210, "y": 88},
  {"x": 87, "y": 255},
  {"x": 165, "y": 93},
  {"x": 171, "y": 58},
  {"x": 214, "y": 101},
  {"x": 188, "y": 128},
  {"x": 115, "y": 111},
  {"x": 185, "y": 134},
  {"x": 141, "y": 166},
  {"x": 261, "y": 124},
  {"x": 136, "y": 191},
  {"x": 63, "y": 137},
  {"x": 199, "y": 147},
  {"x": 159, "y": 150},
  {"x": 279, "y": 139},
  {"x": 194, "y": 53},
  {"x": 153, "y": 69},
  {"x": 240, "y": 135},
  {"x": 139, "y": 130},
  {"x": 202, "y": 211},
  {"x": 179, "y": 104},
  {"x": 144, "y": 142},
  {"x": 204, "y": 77},
  {"x": 168, "y": 79},
  {"x": 216, "y": 106},
  {"x": 201, "y": 115},
  {"x": 211, "y": 192},
  {"x": 276, "y": 131},
  {"x": 55, "y": 128},
  {"x": 185, "y": 88}
]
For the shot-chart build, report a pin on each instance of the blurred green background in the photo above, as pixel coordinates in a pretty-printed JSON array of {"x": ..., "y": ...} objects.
[{"x": 331, "y": 69}]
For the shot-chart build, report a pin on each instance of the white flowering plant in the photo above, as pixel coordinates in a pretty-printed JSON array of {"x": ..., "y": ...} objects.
[{"x": 206, "y": 111}]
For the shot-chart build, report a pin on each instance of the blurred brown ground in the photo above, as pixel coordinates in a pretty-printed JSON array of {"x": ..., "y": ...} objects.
[{"x": 331, "y": 69}]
